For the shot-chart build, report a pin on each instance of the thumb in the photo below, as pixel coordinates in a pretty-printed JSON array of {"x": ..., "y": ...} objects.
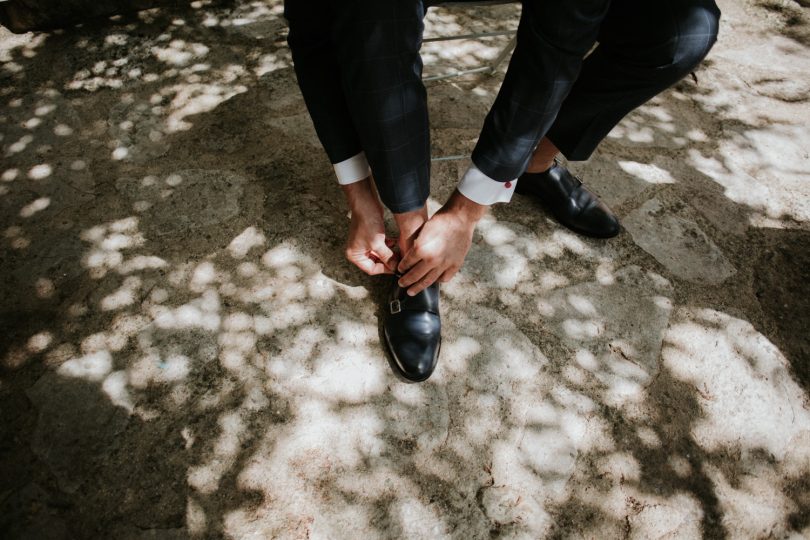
[
  {"x": 384, "y": 253},
  {"x": 370, "y": 267}
]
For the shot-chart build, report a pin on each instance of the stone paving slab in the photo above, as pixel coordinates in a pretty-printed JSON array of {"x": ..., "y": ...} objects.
[
  {"x": 678, "y": 243},
  {"x": 186, "y": 354}
]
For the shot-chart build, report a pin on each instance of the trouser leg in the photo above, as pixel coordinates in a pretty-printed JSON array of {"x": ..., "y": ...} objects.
[
  {"x": 553, "y": 38},
  {"x": 359, "y": 69},
  {"x": 319, "y": 75},
  {"x": 644, "y": 48},
  {"x": 378, "y": 45}
]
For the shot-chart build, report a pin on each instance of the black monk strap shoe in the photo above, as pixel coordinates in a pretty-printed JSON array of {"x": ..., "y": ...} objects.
[
  {"x": 413, "y": 331},
  {"x": 570, "y": 202}
]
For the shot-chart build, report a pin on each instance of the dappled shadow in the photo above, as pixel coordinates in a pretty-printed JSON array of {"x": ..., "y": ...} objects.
[
  {"x": 793, "y": 18},
  {"x": 187, "y": 354}
]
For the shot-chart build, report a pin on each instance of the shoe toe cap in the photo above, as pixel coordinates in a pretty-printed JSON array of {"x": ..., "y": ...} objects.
[
  {"x": 594, "y": 218},
  {"x": 602, "y": 223},
  {"x": 414, "y": 342}
]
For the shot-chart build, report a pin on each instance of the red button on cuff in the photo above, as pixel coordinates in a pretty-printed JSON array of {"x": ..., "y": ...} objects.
[{"x": 507, "y": 185}]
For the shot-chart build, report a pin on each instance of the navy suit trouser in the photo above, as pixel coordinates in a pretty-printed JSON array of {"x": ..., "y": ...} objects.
[{"x": 359, "y": 69}]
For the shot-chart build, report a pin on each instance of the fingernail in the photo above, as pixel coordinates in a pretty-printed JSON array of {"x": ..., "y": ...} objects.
[{"x": 411, "y": 293}]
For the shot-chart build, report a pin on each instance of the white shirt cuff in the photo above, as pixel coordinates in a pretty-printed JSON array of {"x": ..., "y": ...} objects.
[
  {"x": 352, "y": 170},
  {"x": 482, "y": 189}
]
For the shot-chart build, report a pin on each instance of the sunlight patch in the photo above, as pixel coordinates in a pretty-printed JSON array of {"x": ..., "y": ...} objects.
[
  {"x": 115, "y": 386},
  {"x": 39, "y": 342},
  {"x": 195, "y": 99},
  {"x": 92, "y": 367},
  {"x": 752, "y": 502},
  {"x": 747, "y": 393},
  {"x": 39, "y": 172},
  {"x": 124, "y": 296},
  {"x": 647, "y": 172},
  {"x": 44, "y": 287},
  {"x": 200, "y": 313},
  {"x": 418, "y": 520},
  {"x": 245, "y": 241},
  {"x": 347, "y": 375}
]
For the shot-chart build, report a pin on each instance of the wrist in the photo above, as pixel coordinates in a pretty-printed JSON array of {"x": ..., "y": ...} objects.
[
  {"x": 361, "y": 197},
  {"x": 409, "y": 224},
  {"x": 469, "y": 211}
]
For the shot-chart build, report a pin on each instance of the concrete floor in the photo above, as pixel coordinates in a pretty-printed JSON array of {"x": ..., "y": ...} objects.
[{"x": 185, "y": 352}]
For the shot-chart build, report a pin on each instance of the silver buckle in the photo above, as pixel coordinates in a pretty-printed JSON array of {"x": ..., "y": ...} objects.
[{"x": 395, "y": 307}]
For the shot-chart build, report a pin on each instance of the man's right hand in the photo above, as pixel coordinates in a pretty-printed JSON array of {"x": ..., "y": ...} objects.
[
  {"x": 441, "y": 244},
  {"x": 367, "y": 247}
]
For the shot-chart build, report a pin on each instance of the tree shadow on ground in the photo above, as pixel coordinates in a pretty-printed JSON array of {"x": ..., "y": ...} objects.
[{"x": 187, "y": 354}]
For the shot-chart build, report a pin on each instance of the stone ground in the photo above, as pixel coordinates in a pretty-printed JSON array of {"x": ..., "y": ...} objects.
[{"x": 185, "y": 352}]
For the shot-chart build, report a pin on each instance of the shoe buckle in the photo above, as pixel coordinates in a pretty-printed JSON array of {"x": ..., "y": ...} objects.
[{"x": 395, "y": 307}]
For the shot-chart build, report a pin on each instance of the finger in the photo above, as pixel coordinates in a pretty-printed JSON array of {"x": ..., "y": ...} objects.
[
  {"x": 380, "y": 267},
  {"x": 411, "y": 259},
  {"x": 414, "y": 274},
  {"x": 371, "y": 267},
  {"x": 393, "y": 262},
  {"x": 424, "y": 283},
  {"x": 384, "y": 254},
  {"x": 448, "y": 274}
]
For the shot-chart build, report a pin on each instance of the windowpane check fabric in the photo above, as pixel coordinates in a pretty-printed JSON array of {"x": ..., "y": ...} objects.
[{"x": 359, "y": 69}]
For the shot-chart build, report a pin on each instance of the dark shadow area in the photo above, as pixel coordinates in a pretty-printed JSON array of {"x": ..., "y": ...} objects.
[
  {"x": 187, "y": 354},
  {"x": 782, "y": 275},
  {"x": 794, "y": 18}
]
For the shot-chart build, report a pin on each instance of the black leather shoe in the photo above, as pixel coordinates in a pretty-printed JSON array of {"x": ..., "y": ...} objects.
[
  {"x": 570, "y": 202},
  {"x": 413, "y": 332}
]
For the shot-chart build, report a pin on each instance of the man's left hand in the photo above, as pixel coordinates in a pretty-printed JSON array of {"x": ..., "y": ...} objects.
[{"x": 441, "y": 245}]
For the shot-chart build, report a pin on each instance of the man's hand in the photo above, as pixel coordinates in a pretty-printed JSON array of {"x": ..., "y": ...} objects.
[
  {"x": 442, "y": 244},
  {"x": 368, "y": 248}
]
